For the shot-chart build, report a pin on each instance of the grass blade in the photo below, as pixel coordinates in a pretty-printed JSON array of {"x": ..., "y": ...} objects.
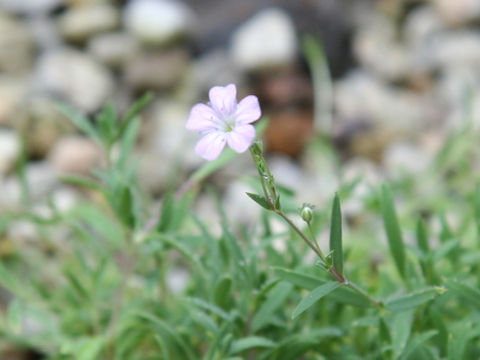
[
  {"x": 336, "y": 235},
  {"x": 392, "y": 229}
]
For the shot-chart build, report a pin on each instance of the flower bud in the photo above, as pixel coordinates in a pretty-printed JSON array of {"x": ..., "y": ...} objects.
[{"x": 306, "y": 212}]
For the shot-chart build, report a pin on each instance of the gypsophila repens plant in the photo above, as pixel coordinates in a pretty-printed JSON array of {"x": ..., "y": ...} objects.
[{"x": 123, "y": 275}]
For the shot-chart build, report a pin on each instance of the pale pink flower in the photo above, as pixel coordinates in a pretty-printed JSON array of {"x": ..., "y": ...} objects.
[{"x": 223, "y": 120}]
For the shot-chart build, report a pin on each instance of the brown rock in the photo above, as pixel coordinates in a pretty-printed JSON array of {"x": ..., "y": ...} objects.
[
  {"x": 288, "y": 131},
  {"x": 76, "y": 155}
]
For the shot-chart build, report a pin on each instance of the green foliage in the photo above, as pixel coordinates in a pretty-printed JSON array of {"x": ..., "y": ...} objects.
[{"x": 135, "y": 279}]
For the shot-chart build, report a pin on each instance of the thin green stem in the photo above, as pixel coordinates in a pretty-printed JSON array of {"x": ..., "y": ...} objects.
[
  {"x": 302, "y": 235},
  {"x": 362, "y": 292}
]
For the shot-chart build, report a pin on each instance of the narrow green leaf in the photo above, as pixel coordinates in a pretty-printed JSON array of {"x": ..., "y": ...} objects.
[
  {"x": 460, "y": 335},
  {"x": 302, "y": 280},
  {"x": 181, "y": 248},
  {"x": 221, "y": 293},
  {"x": 336, "y": 235},
  {"x": 166, "y": 213},
  {"x": 80, "y": 121},
  {"x": 125, "y": 207},
  {"x": 14, "y": 316},
  {"x": 422, "y": 237},
  {"x": 8, "y": 280},
  {"x": 415, "y": 342},
  {"x": 82, "y": 182},
  {"x": 128, "y": 140},
  {"x": 274, "y": 301},
  {"x": 466, "y": 292},
  {"x": 400, "y": 331},
  {"x": 202, "y": 304},
  {"x": 444, "y": 249},
  {"x": 106, "y": 123},
  {"x": 260, "y": 200},
  {"x": 314, "y": 296},
  {"x": 166, "y": 330},
  {"x": 204, "y": 321},
  {"x": 476, "y": 208},
  {"x": 342, "y": 294},
  {"x": 412, "y": 300},
  {"x": 392, "y": 228},
  {"x": 322, "y": 83},
  {"x": 134, "y": 110},
  {"x": 426, "y": 260},
  {"x": 249, "y": 343}
]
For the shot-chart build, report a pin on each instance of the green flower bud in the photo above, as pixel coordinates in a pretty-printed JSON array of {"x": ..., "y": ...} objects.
[{"x": 306, "y": 212}]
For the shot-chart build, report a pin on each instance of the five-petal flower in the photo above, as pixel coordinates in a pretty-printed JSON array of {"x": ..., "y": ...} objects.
[{"x": 224, "y": 121}]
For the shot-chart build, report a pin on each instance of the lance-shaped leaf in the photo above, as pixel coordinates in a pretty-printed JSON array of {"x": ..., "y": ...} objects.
[
  {"x": 336, "y": 235},
  {"x": 412, "y": 300},
  {"x": 392, "y": 228},
  {"x": 260, "y": 200},
  {"x": 314, "y": 296}
]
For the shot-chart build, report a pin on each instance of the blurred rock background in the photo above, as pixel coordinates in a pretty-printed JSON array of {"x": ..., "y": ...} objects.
[{"x": 402, "y": 71}]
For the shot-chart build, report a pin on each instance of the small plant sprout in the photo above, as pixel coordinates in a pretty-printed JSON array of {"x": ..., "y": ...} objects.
[{"x": 224, "y": 121}]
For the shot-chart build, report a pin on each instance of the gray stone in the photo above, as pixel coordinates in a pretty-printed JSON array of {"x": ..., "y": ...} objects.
[
  {"x": 266, "y": 40},
  {"x": 361, "y": 96},
  {"x": 41, "y": 179},
  {"x": 239, "y": 207},
  {"x": 10, "y": 148},
  {"x": 458, "y": 12},
  {"x": 12, "y": 90},
  {"x": 75, "y": 77},
  {"x": 157, "y": 22},
  {"x": 375, "y": 43},
  {"x": 30, "y": 6},
  {"x": 81, "y": 22},
  {"x": 114, "y": 49},
  {"x": 157, "y": 70},
  {"x": 405, "y": 159},
  {"x": 455, "y": 48},
  {"x": 214, "y": 68},
  {"x": 421, "y": 24},
  {"x": 17, "y": 46}
]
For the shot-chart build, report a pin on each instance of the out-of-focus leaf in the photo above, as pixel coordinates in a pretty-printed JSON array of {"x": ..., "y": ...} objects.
[
  {"x": 400, "y": 332},
  {"x": 314, "y": 296},
  {"x": 392, "y": 228},
  {"x": 412, "y": 300},
  {"x": 466, "y": 292},
  {"x": 249, "y": 343},
  {"x": 166, "y": 330},
  {"x": 134, "y": 110},
  {"x": 342, "y": 294},
  {"x": 415, "y": 342},
  {"x": 80, "y": 121},
  {"x": 275, "y": 300},
  {"x": 82, "y": 182},
  {"x": 222, "y": 292},
  {"x": 322, "y": 83}
]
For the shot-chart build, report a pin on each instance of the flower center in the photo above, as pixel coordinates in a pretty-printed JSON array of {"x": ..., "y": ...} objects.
[{"x": 228, "y": 123}]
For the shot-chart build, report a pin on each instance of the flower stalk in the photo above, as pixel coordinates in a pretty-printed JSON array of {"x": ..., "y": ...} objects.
[{"x": 272, "y": 199}]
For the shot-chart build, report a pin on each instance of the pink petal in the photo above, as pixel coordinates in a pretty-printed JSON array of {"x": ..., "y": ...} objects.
[
  {"x": 248, "y": 110},
  {"x": 241, "y": 138},
  {"x": 224, "y": 98},
  {"x": 202, "y": 118},
  {"x": 211, "y": 145}
]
